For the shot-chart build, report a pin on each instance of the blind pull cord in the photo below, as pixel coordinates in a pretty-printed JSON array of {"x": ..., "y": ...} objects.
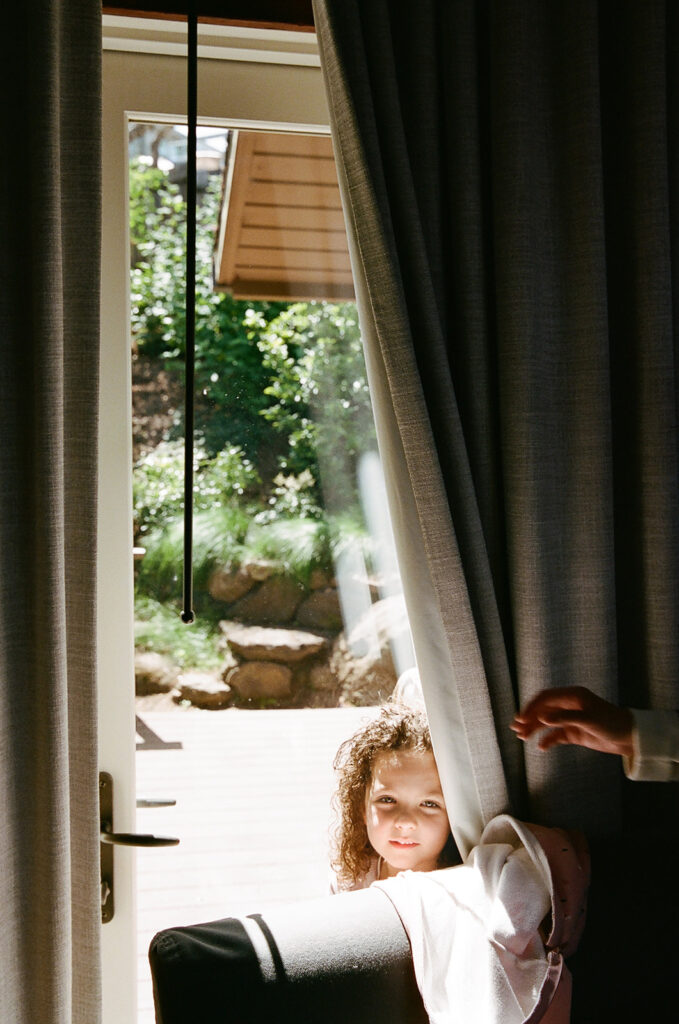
[{"x": 187, "y": 615}]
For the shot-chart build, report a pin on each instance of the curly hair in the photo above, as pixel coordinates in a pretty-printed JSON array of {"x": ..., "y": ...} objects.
[{"x": 396, "y": 727}]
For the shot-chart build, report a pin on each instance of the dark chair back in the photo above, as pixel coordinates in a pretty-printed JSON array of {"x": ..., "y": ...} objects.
[{"x": 341, "y": 958}]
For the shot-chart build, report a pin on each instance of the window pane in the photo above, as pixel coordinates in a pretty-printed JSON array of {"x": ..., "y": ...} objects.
[{"x": 301, "y": 628}]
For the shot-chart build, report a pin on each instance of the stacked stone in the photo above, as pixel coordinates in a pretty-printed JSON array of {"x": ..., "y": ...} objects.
[
  {"x": 272, "y": 663},
  {"x": 282, "y": 644},
  {"x": 258, "y": 593}
]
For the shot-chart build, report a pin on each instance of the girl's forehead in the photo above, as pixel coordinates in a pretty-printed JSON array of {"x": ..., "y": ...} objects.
[{"x": 415, "y": 765}]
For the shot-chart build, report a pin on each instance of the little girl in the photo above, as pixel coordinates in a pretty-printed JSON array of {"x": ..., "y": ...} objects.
[{"x": 392, "y": 816}]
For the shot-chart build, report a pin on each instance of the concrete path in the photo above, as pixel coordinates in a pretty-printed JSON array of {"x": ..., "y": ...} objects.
[{"x": 253, "y": 791}]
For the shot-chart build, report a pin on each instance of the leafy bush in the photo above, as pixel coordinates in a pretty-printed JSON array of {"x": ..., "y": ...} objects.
[
  {"x": 148, "y": 188},
  {"x": 292, "y": 496},
  {"x": 318, "y": 392},
  {"x": 285, "y": 383},
  {"x": 297, "y": 545},
  {"x": 347, "y": 530},
  {"x": 159, "y": 628},
  {"x": 229, "y": 371},
  {"x": 282, "y": 416},
  {"x": 158, "y": 482},
  {"x": 218, "y": 535}
]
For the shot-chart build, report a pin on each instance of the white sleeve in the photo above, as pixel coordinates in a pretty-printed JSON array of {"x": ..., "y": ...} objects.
[{"x": 656, "y": 747}]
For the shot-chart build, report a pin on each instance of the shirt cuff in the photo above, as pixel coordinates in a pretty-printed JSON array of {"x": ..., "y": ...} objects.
[{"x": 655, "y": 741}]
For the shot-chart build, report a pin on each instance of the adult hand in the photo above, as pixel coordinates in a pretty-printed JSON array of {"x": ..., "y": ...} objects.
[{"x": 573, "y": 714}]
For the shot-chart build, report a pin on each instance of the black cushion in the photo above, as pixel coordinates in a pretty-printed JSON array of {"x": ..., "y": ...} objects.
[{"x": 334, "y": 960}]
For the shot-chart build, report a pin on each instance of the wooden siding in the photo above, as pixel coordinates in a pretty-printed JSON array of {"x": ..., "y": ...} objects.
[{"x": 282, "y": 232}]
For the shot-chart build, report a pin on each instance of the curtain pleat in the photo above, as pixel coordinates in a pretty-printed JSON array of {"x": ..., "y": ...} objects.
[
  {"x": 49, "y": 333},
  {"x": 507, "y": 178}
]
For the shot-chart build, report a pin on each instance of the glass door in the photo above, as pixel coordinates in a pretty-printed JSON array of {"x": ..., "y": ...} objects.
[
  {"x": 142, "y": 73},
  {"x": 228, "y": 742}
]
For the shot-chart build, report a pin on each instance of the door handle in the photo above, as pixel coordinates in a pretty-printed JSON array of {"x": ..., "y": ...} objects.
[
  {"x": 135, "y": 839},
  {"x": 108, "y": 839}
]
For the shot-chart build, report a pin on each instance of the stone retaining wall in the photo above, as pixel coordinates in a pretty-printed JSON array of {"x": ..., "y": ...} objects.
[{"x": 283, "y": 645}]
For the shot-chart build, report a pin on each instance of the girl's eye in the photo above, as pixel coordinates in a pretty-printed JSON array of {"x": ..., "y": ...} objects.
[
  {"x": 386, "y": 800},
  {"x": 432, "y": 804}
]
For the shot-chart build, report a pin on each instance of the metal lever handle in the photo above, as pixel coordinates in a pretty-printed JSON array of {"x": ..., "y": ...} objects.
[
  {"x": 135, "y": 839},
  {"x": 109, "y": 839},
  {"x": 146, "y": 802}
]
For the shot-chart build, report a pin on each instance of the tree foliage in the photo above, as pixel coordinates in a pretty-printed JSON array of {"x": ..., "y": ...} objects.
[
  {"x": 284, "y": 386},
  {"x": 230, "y": 375},
  {"x": 158, "y": 482},
  {"x": 318, "y": 392}
]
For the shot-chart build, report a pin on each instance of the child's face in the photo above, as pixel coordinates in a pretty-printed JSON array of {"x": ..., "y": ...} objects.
[{"x": 404, "y": 811}]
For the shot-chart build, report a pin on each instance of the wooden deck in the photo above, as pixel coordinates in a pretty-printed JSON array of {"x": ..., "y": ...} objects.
[{"x": 252, "y": 791}]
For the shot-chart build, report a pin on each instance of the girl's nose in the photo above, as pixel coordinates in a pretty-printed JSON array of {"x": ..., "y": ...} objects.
[{"x": 405, "y": 822}]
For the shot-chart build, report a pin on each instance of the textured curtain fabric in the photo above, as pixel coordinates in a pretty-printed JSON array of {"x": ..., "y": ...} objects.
[
  {"x": 49, "y": 326},
  {"x": 509, "y": 175}
]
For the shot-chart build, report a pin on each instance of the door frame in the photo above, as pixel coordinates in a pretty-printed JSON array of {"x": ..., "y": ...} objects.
[{"x": 264, "y": 83}]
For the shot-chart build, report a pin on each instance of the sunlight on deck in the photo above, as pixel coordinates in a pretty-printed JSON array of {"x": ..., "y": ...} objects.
[{"x": 252, "y": 791}]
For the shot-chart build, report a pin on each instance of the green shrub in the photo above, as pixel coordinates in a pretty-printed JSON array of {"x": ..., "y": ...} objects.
[
  {"x": 292, "y": 497},
  {"x": 158, "y": 482},
  {"x": 229, "y": 373},
  {"x": 297, "y": 545},
  {"x": 318, "y": 392},
  {"x": 218, "y": 535},
  {"x": 228, "y": 536},
  {"x": 348, "y": 531},
  {"x": 159, "y": 628}
]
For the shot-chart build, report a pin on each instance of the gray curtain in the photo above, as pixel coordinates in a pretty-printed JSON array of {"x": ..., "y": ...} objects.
[
  {"x": 509, "y": 174},
  {"x": 49, "y": 326}
]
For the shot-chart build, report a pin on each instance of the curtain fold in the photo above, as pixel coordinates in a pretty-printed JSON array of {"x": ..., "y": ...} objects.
[
  {"x": 507, "y": 179},
  {"x": 49, "y": 333}
]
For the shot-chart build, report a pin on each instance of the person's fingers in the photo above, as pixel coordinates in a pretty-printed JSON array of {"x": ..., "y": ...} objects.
[
  {"x": 551, "y": 716},
  {"x": 575, "y": 715},
  {"x": 546, "y": 717},
  {"x": 553, "y": 738},
  {"x": 524, "y": 730},
  {"x": 557, "y": 727},
  {"x": 575, "y": 697}
]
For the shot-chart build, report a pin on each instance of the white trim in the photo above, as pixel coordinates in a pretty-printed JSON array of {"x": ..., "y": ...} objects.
[
  {"x": 215, "y": 42},
  {"x": 226, "y": 198},
  {"x": 234, "y": 123}
]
